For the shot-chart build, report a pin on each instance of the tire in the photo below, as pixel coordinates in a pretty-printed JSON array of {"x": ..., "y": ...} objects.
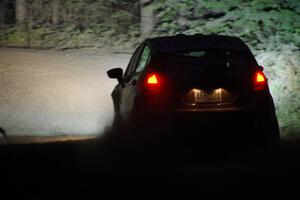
[{"x": 268, "y": 145}]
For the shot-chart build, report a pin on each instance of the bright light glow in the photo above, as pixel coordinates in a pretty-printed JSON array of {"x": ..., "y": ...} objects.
[
  {"x": 218, "y": 90},
  {"x": 260, "y": 81},
  {"x": 260, "y": 77},
  {"x": 152, "y": 79}
]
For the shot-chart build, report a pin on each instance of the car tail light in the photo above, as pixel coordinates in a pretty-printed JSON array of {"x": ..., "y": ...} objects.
[
  {"x": 260, "y": 81},
  {"x": 152, "y": 79},
  {"x": 153, "y": 82},
  {"x": 260, "y": 78}
]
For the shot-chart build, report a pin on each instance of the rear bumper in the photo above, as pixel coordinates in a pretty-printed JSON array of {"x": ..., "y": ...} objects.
[
  {"x": 259, "y": 109},
  {"x": 216, "y": 110},
  {"x": 220, "y": 128},
  {"x": 218, "y": 119}
]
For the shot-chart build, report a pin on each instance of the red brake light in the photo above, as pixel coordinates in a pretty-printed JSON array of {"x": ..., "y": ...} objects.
[
  {"x": 152, "y": 79},
  {"x": 260, "y": 78},
  {"x": 260, "y": 81}
]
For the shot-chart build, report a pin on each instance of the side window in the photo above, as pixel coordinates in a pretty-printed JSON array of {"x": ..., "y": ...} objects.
[
  {"x": 143, "y": 60},
  {"x": 132, "y": 62}
]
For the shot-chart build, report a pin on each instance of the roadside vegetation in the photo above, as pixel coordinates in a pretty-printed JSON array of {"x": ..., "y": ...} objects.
[
  {"x": 270, "y": 27},
  {"x": 68, "y": 24}
]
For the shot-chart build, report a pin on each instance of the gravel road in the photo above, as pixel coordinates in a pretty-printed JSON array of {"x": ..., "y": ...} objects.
[{"x": 47, "y": 93}]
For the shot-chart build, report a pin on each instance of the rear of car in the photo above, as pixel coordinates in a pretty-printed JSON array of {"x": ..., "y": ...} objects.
[
  {"x": 215, "y": 78},
  {"x": 205, "y": 86},
  {"x": 218, "y": 83}
]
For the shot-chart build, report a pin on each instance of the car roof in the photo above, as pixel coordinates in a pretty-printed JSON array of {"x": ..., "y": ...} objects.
[{"x": 183, "y": 42}]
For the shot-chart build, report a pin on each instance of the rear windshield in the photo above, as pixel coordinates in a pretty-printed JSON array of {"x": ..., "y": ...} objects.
[{"x": 214, "y": 59}]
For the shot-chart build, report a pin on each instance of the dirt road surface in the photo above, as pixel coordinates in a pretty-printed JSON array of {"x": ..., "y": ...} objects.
[{"x": 54, "y": 93}]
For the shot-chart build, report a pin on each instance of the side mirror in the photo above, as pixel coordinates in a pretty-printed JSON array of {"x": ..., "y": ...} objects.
[{"x": 115, "y": 73}]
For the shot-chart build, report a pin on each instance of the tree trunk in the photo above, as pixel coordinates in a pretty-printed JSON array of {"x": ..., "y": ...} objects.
[
  {"x": 147, "y": 18},
  {"x": 2, "y": 14},
  {"x": 20, "y": 11},
  {"x": 55, "y": 12}
]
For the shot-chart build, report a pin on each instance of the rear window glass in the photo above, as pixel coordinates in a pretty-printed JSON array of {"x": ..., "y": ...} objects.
[{"x": 215, "y": 58}]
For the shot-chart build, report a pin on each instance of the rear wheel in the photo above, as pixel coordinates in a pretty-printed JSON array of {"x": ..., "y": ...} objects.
[{"x": 268, "y": 140}]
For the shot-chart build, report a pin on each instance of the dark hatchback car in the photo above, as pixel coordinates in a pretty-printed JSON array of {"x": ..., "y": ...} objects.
[{"x": 211, "y": 81}]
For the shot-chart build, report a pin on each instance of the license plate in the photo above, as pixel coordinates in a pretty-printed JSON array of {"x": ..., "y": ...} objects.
[{"x": 213, "y": 96}]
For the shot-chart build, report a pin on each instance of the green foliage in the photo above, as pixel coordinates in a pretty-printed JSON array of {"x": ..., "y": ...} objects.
[
  {"x": 282, "y": 68},
  {"x": 252, "y": 20},
  {"x": 15, "y": 36},
  {"x": 81, "y": 23}
]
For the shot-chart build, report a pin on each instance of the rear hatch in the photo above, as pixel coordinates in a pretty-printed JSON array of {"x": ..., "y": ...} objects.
[{"x": 210, "y": 78}]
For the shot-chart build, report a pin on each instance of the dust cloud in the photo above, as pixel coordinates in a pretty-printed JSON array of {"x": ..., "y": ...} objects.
[{"x": 46, "y": 93}]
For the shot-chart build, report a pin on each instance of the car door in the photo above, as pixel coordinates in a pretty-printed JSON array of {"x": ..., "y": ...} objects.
[
  {"x": 122, "y": 88},
  {"x": 131, "y": 78}
]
